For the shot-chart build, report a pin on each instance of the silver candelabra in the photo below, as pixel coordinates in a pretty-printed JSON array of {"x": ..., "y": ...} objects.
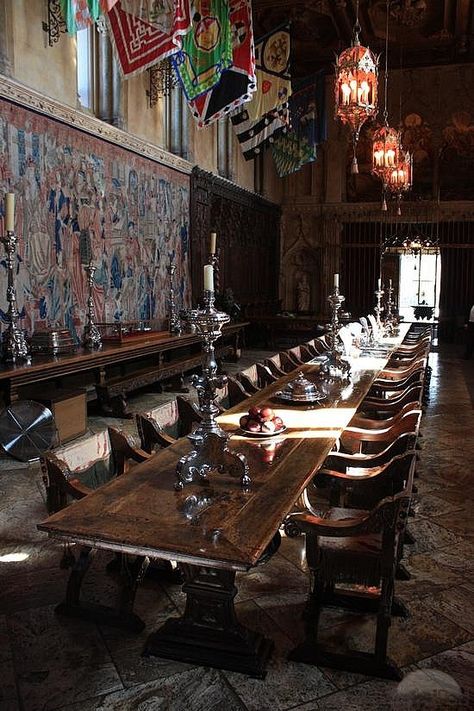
[
  {"x": 174, "y": 322},
  {"x": 391, "y": 321},
  {"x": 15, "y": 346},
  {"x": 209, "y": 440},
  {"x": 379, "y": 308},
  {"x": 92, "y": 337},
  {"x": 335, "y": 368}
]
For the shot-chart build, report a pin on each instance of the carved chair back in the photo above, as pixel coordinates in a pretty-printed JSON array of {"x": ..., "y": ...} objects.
[{"x": 74, "y": 470}]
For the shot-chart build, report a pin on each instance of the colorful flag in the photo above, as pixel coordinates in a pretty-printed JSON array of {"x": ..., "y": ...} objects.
[
  {"x": 308, "y": 126},
  {"x": 206, "y": 49},
  {"x": 272, "y": 57},
  {"x": 107, "y": 5},
  {"x": 239, "y": 81},
  {"x": 159, "y": 13},
  {"x": 139, "y": 44},
  {"x": 79, "y": 14},
  {"x": 253, "y": 136}
]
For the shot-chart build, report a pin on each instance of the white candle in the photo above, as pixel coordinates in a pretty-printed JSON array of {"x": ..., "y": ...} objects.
[
  {"x": 380, "y": 283},
  {"x": 336, "y": 281},
  {"x": 213, "y": 242},
  {"x": 10, "y": 212},
  {"x": 208, "y": 277},
  {"x": 390, "y": 283}
]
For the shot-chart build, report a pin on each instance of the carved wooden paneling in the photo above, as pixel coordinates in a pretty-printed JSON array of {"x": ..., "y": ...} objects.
[{"x": 248, "y": 233}]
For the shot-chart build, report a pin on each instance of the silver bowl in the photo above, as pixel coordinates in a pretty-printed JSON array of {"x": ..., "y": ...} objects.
[{"x": 301, "y": 390}]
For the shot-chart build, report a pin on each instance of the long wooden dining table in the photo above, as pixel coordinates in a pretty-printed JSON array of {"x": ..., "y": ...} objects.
[{"x": 213, "y": 528}]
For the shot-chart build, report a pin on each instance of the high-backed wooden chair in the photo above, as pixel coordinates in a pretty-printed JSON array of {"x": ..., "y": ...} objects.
[
  {"x": 357, "y": 439},
  {"x": 75, "y": 469},
  {"x": 161, "y": 426},
  {"x": 358, "y": 548},
  {"x": 249, "y": 378}
]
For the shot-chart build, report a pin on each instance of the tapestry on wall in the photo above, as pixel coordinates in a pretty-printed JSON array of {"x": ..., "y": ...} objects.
[{"x": 81, "y": 198}]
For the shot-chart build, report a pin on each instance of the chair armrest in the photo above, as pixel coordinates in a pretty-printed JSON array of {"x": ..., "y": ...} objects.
[
  {"x": 307, "y": 523},
  {"x": 124, "y": 449}
]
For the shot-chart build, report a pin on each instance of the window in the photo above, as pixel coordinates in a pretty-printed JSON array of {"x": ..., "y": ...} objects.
[
  {"x": 98, "y": 77},
  {"x": 419, "y": 283},
  {"x": 85, "y": 68}
]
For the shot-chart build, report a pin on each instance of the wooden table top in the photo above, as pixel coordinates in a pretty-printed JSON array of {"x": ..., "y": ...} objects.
[{"x": 214, "y": 522}]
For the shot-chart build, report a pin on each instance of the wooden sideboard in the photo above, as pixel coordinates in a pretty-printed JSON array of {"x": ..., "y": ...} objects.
[{"x": 115, "y": 370}]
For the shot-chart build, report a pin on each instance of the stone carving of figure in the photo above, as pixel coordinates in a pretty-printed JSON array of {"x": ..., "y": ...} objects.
[{"x": 303, "y": 294}]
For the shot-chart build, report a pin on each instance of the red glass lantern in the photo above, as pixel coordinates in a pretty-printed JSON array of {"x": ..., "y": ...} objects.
[
  {"x": 385, "y": 152},
  {"x": 355, "y": 88},
  {"x": 400, "y": 179}
]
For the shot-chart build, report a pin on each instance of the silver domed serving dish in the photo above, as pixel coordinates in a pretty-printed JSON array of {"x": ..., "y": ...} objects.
[{"x": 301, "y": 390}]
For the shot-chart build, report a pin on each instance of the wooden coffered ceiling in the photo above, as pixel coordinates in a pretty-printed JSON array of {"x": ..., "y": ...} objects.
[{"x": 421, "y": 32}]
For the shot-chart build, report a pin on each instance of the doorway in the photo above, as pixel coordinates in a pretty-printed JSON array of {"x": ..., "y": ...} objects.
[{"x": 420, "y": 277}]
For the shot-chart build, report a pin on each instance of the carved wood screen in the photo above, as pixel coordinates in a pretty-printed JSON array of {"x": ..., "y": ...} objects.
[
  {"x": 457, "y": 275},
  {"x": 360, "y": 264},
  {"x": 248, "y": 235}
]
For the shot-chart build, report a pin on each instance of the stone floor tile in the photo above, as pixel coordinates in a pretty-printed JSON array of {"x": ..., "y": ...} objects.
[
  {"x": 427, "y": 576},
  {"x": 198, "y": 689},
  {"x": 274, "y": 576},
  {"x": 373, "y": 695},
  {"x": 431, "y": 537},
  {"x": 459, "y": 663},
  {"x": 430, "y": 505},
  {"x": 457, "y": 604},
  {"x": 459, "y": 522},
  {"x": 54, "y": 688},
  {"x": 43, "y": 641},
  {"x": 424, "y": 633},
  {"x": 8, "y": 691},
  {"x": 286, "y": 683}
]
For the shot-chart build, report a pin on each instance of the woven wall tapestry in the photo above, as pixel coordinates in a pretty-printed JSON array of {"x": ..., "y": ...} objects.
[{"x": 82, "y": 198}]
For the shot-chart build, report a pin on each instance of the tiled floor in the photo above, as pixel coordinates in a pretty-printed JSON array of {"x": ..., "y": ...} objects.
[{"x": 48, "y": 662}]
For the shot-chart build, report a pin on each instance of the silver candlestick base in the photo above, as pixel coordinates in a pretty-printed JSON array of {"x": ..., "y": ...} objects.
[
  {"x": 210, "y": 452},
  {"x": 92, "y": 337},
  {"x": 14, "y": 342},
  {"x": 335, "y": 367},
  {"x": 174, "y": 322}
]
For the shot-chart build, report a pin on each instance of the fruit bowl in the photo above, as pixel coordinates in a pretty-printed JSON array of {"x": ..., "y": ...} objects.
[
  {"x": 261, "y": 422},
  {"x": 248, "y": 433}
]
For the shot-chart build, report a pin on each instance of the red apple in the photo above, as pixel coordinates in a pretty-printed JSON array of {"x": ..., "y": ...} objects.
[
  {"x": 254, "y": 411},
  {"x": 278, "y": 422},
  {"x": 267, "y": 414},
  {"x": 243, "y": 421},
  {"x": 253, "y": 426}
]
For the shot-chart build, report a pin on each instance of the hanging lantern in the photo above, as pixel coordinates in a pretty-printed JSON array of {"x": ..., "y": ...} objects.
[
  {"x": 356, "y": 88},
  {"x": 385, "y": 152},
  {"x": 400, "y": 179}
]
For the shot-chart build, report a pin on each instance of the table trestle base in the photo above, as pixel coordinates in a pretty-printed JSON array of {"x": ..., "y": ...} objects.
[
  {"x": 132, "y": 572},
  {"x": 209, "y": 633}
]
